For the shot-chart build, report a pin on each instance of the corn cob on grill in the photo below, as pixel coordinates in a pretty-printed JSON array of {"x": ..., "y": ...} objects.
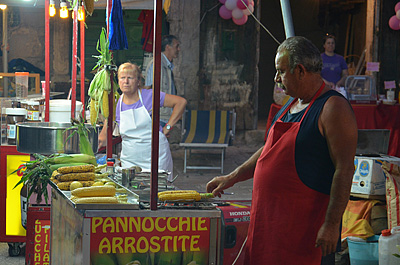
[
  {"x": 76, "y": 176},
  {"x": 183, "y": 196},
  {"x": 94, "y": 191},
  {"x": 65, "y": 185},
  {"x": 94, "y": 200},
  {"x": 76, "y": 169}
]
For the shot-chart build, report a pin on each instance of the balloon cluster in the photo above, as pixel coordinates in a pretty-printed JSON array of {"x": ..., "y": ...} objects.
[
  {"x": 236, "y": 10},
  {"x": 394, "y": 21}
]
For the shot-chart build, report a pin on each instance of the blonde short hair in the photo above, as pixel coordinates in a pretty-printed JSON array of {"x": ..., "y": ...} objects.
[{"x": 131, "y": 67}]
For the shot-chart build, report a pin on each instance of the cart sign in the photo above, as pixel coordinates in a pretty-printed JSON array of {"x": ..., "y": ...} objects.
[
  {"x": 42, "y": 242},
  {"x": 149, "y": 240}
]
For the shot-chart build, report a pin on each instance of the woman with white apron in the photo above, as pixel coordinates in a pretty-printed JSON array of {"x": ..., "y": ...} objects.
[{"x": 133, "y": 116}]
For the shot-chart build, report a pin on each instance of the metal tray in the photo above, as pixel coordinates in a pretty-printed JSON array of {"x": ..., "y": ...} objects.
[
  {"x": 133, "y": 201},
  {"x": 49, "y": 138}
]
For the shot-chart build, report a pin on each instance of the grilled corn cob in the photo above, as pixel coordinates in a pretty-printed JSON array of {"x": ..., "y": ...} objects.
[
  {"x": 76, "y": 176},
  {"x": 57, "y": 166},
  {"x": 76, "y": 169},
  {"x": 94, "y": 191},
  {"x": 176, "y": 192},
  {"x": 66, "y": 184},
  {"x": 179, "y": 196},
  {"x": 94, "y": 199}
]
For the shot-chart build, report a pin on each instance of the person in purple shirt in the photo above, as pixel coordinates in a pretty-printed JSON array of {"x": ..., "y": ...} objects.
[
  {"x": 134, "y": 120},
  {"x": 334, "y": 69}
]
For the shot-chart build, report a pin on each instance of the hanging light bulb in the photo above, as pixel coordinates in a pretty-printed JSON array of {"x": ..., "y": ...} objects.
[
  {"x": 81, "y": 13},
  {"x": 63, "y": 10},
  {"x": 52, "y": 8}
]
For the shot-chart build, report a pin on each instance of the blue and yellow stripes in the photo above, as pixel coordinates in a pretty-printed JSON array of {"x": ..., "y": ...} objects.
[{"x": 207, "y": 126}]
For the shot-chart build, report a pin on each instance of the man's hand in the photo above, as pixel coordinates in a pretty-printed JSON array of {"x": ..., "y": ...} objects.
[
  {"x": 327, "y": 238},
  {"x": 217, "y": 185}
]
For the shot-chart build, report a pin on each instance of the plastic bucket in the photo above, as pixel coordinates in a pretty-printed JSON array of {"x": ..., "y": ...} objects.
[
  {"x": 60, "y": 110},
  {"x": 365, "y": 252}
]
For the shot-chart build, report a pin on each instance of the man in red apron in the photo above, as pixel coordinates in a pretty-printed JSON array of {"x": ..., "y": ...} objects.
[{"x": 303, "y": 174}]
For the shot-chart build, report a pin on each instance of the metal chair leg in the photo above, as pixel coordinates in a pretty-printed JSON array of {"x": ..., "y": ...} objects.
[
  {"x": 184, "y": 163},
  {"x": 222, "y": 160}
]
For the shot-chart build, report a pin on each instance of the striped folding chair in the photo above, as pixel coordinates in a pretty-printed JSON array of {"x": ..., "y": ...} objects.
[{"x": 207, "y": 129}]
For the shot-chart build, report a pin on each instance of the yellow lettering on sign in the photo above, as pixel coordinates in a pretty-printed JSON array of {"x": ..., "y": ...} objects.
[
  {"x": 37, "y": 257},
  {"x": 96, "y": 222},
  {"x": 105, "y": 246},
  {"x": 154, "y": 245},
  {"x": 108, "y": 223},
  {"x": 122, "y": 223},
  {"x": 46, "y": 257},
  {"x": 38, "y": 226},
  {"x": 150, "y": 227},
  {"x": 136, "y": 223},
  {"x": 183, "y": 239},
  {"x": 38, "y": 237},
  {"x": 37, "y": 247},
  {"x": 129, "y": 245},
  {"x": 166, "y": 239},
  {"x": 201, "y": 222},
  {"x": 158, "y": 228},
  {"x": 170, "y": 228},
  {"x": 117, "y": 244},
  {"x": 184, "y": 221},
  {"x": 194, "y": 240},
  {"x": 141, "y": 249}
]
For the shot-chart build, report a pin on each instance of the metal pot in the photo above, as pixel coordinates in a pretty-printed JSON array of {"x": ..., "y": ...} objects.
[{"x": 50, "y": 137}]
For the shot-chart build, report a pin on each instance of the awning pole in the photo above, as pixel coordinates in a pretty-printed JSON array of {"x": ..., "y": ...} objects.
[
  {"x": 287, "y": 18},
  {"x": 156, "y": 103},
  {"x": 5, "y": 53},
  {"x": 47, "y": 61}
]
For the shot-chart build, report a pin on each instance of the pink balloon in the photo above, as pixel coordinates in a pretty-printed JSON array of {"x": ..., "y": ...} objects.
[
  {"x": 222, "y": 1},
  {"x": 247, "y": 12},
  {"x": 230, "y": 4},
  {"x": 394, "y": 23},
  {"x": 240, "y": 21},
  {"x": 241, "y": 5},
  {"x": 398, "y": 14},
  {"x": 237, "y": 13},
  {"x": 397, "y": 7},
  {"x": 225, "y": 13}
]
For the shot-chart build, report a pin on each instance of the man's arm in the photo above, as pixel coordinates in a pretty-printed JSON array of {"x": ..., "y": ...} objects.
[
  {"x": 244, "y": 172},
  {"x": 342, "y": 80},
  {"x": 178, "y": 105},
  {"x": 338, "y": 125}
]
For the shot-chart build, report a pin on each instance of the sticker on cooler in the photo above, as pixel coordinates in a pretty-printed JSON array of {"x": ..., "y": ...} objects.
[
  {"x": 364, "y": 169},
  {"x": 11, "y": 131}
]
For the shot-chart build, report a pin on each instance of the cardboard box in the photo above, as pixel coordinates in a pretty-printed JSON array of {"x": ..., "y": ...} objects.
[{"x": 368, "y": 175}]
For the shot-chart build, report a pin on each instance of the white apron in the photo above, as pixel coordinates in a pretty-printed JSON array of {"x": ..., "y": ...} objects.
[{"x": 136, "y": 131}]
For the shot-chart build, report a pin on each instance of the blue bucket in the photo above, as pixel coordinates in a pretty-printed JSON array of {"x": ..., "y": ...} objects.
[{"x": 364, "y": 253}]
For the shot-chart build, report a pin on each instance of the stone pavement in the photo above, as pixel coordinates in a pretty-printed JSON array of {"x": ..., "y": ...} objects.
[{"x": 243, "y": 147}]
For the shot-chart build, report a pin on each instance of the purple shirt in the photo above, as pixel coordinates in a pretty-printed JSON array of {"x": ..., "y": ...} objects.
[
  {"x": 147, "y": 97},
  {"x": 332, "y": 67}
]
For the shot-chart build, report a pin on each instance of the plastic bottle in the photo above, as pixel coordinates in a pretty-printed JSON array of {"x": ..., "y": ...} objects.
[
  {"x": 387, "y": 247},
  {"x": 110, "y": 169}
]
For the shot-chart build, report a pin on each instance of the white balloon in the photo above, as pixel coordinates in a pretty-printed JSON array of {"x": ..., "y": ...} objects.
[
  {"x": 237, "y": 13},
  {"x": 230, "y": 4},
  {"x": 247, "y": 12}
]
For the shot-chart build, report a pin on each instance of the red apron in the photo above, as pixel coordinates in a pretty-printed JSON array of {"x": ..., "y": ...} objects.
[{"x": 285, "y": 214}]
